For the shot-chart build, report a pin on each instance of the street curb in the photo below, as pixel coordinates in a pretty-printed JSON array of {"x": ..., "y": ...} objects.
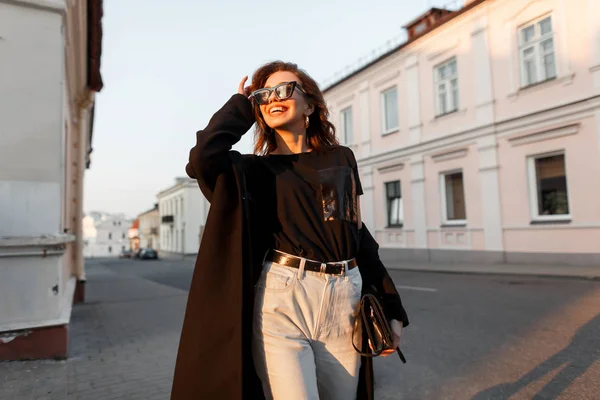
[{"x": 457, "y": 271}]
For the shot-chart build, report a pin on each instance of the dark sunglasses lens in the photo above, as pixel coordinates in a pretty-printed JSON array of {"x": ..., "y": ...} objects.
[
  {"x": 261, "y": 96},
  {"x": 285, "y": 91}
]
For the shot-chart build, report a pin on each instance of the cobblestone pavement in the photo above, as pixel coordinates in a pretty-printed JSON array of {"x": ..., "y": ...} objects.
[{"x": 123, "y": 344}]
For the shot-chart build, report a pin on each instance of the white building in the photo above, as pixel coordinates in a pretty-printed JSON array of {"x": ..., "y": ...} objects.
[
  {"x": 49, "y": 74},
  {"x": 183, "y": 210},
  {"x": 112, "y": 237},
  {"x": 89, "y": 236},
  {"x": 106, "y": 235},
  {"x": 149, "y": 226}
]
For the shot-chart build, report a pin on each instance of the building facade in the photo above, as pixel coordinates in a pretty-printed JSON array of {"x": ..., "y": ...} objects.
[
  {"x": 182, "y": 210},
  {"x": 478, "y": 139},
  {"x": 89, "y": 236},
  {"x": 49, "y": 74},
  {"x": 134, "y": 238},
  {"x": 149, "y": 228},
  {"x": 112, "y": 237}
]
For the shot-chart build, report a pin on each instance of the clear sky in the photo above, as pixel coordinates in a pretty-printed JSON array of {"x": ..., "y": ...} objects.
[{"x": 168, "y": 66}]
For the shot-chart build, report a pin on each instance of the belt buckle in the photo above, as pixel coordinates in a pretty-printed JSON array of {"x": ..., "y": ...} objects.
[{"x": 341, "y": 267}]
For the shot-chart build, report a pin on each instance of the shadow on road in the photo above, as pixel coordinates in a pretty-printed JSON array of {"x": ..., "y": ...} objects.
[{"x": 574, "y": 359}]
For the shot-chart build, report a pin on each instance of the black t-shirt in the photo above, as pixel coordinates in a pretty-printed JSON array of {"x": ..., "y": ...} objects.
[{"x": 316, "y": 203}]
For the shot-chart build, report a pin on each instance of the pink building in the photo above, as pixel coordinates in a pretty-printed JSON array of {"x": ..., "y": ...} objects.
[{"x": 478, "y": 139}]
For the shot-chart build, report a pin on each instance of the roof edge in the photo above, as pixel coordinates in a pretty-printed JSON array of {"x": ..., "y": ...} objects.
[{"x": 439, "y": 23}]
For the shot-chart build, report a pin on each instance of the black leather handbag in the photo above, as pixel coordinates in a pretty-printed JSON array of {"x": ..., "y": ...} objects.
[{"x": 372, "y": 322}]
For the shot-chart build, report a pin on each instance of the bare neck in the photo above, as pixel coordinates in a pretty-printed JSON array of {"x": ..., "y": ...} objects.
[{"x": 291, "y": 143}]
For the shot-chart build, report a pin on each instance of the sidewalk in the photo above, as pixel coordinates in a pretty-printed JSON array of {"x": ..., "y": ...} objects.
[
  {"x": 123, "y": 345},
  {"x": 563, "y": 271}
]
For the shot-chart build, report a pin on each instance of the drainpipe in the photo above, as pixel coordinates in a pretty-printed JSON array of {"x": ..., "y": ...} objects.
[{"x": 80, "y": 146}]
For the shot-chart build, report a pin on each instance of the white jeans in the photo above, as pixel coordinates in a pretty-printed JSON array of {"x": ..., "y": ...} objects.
[{"x": 302, "y": 342}]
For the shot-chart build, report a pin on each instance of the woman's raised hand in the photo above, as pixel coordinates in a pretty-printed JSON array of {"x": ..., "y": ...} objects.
[{"x": 242, "y": 89}]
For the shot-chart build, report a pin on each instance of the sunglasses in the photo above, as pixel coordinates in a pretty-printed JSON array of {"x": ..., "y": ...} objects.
[{"x": 282, "y": 91}]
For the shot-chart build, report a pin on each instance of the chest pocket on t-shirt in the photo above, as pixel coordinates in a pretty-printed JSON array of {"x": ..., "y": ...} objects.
[{"x": 338, "y": 194}]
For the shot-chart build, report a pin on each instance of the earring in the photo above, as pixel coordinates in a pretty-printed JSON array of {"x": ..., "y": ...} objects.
[{"x": 306, "y": 122}]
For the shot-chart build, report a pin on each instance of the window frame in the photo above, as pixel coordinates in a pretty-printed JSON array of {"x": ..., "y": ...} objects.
[
  {"x": 536, "y": 44},
  {"x": 384, "y": 129},
  {"x": 533, "y": 189},
  {"x": 443, "y": 199},
  {"x": 448, "y": 90},
  {"x": 343, "y": 112},
  {"x": 389, "y": 224}
]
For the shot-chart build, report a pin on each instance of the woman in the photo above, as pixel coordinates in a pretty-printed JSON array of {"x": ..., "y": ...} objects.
[{"x": 284, "y": 254}]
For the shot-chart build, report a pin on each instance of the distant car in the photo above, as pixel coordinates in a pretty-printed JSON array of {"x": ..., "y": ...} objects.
[
  {"x": 126, "y": 254},
  {"x": 149, "y": 254},
  {"x": 137, "y": 253}
]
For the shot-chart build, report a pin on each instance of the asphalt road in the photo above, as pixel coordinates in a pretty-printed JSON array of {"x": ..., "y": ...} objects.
[{"x": 474, "y": 336}]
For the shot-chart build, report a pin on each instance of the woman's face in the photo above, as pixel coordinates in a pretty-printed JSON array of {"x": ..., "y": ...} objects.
[{"x": 288, "y": 114}]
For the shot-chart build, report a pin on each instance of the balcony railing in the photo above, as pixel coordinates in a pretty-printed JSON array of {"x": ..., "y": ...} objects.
[{"x": 167, "y": 219}]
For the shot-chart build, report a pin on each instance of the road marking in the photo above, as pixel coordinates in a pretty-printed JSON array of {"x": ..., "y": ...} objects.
[{"x": 421, "y": 289}]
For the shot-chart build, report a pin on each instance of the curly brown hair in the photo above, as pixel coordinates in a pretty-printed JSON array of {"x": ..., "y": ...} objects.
[{"x": 320, "y": 132}]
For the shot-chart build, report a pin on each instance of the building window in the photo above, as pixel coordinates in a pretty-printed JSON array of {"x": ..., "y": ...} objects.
[
  {"x": 536, "y": 52},
  {"x": 395, "y": 210},
  {"x": 346, "y": 121},
  {"x": 109, "y": 236},
  {"x": 548, "y": 194},
  {"x": 123, "y": 236},
  {"x": 389, "y": 110},
  {"x": 453, "y": 198},
  {"x": 420, "y": 28},
  {"x": 110, "y": 249},
  {"x": 446, "y": 87},
  {"x": 122, "y": 248}
]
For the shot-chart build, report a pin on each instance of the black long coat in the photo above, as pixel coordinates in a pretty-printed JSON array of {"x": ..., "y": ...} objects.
[{"x": 215, "y": 359}]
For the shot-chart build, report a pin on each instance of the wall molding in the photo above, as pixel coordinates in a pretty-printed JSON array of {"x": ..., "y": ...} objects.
[
  {"x": 441, "y": 118},
  {"x": 386, "y": 78},
  {"x": 490, "y": 168},
  {"x": 544, "y": 134},
  {"x": 551, "y": 227},
  {"x": 56, "y": 6},
  {"x": 411, "y": 61},
  {"x": 565, "y": 79},
  {"x": 488, "y": 147},
  {"x": 344, "y": 100},
  {"x": 389, "y": 168},
  {"x": 445, "y": 50},
  {"x": 37, "y": 241},
  {"x": 449, "y": 155},
  {"x": 485, "y": 104},
  {"x": 575, "y": 110}
]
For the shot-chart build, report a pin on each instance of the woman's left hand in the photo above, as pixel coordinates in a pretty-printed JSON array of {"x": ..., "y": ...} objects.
[{"x": 397, "y": 330}]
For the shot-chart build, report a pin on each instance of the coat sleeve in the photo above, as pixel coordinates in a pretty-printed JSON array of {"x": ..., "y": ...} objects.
[
  {"x": 209, "y": 158},
  {"x": 375, "y": 273}
]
